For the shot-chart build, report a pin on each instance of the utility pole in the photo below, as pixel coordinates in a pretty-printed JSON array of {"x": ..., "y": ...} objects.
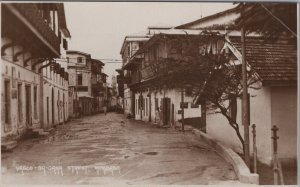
[
  {"x": 182, "y": 109},
  {"x": 245, "y": 103}
]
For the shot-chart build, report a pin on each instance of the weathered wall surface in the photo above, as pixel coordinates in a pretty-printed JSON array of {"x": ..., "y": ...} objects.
[
  {"x": 269, "y": 106},
  {"x": 18, "y": 77},
  {"x": 175, "y": 99},
  {"x": 284, "y": 116}
]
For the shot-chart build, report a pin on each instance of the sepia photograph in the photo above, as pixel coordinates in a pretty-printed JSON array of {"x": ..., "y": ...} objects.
[{"x": 149, "y": 93}]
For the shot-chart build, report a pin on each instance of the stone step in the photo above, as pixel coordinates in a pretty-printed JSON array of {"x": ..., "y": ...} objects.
[{"x": 8, "y": 145}]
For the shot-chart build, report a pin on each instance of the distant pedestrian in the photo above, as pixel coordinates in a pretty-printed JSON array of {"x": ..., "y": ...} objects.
[
  {"x": 160, "y": 115},
  {"x": 157, "y": 118},
  {"x": 105, "y": 109}
]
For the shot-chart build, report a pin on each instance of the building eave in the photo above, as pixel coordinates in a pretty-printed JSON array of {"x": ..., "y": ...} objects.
[
  {"x": 213, "y": 16},
  {"x": 31, "y": 27}
]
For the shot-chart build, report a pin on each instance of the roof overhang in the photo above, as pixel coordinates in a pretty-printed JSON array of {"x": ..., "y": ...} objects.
[
  {"x": 78, "y": 52},
  {"x": 211, "y": 17},
  {"x": 133, "y": 39}
]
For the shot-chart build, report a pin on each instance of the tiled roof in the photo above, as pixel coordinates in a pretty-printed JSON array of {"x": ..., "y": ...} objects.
[{"x": 273, "y": 61}]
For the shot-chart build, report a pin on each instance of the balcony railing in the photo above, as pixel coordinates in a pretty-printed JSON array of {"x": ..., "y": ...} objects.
[{"x": 31, "y": 12}]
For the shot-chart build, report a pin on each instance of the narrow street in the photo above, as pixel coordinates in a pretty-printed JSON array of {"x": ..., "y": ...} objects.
[{"x": 110, "y": 149}]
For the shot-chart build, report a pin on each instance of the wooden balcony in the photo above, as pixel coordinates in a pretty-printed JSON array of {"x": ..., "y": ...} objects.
[{"x": 24, "y": 20}]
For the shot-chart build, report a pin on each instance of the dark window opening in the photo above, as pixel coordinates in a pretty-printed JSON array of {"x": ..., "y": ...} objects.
[
  {"x": 7, "y": 101},
  {"x": 79, "y": 79},
  {"x": 20, "y": 114},
  {"x": 79, "y": 59}
]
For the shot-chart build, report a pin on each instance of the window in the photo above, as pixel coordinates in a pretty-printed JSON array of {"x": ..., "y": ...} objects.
[
  {"x": 68, "y": 59},
  {"x": 128, "y": 51},
  {"x": 79, "y": 59},
  {"x": 79, "y": 79},
  {"x": 20, "y": 114},
  {"x": 35, "y": 101},
  {"x": 7, "y": 102},
  {"x": 65, "y": 44},
  {"x": 47, "y": 110}
]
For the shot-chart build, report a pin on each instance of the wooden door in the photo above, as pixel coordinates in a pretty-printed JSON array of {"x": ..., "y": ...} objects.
[
  {"x": 28, "y": 105},
  {"x": 149, "y": 108},
  {"x": 166, "y": 110}
]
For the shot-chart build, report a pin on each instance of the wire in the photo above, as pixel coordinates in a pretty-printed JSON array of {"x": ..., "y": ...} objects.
[
  {"x": 280, "y": 21},
  {"x": 66, "y": 59},
  {"x": 100, "y": 59}
]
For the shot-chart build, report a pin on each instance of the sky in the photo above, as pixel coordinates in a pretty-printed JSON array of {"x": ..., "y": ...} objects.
[{"x": 99, "y": 28}]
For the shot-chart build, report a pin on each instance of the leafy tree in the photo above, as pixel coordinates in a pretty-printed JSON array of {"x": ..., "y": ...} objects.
[
  {"x": 273, "y": 20},
  {"x": 211, "y": 77}
]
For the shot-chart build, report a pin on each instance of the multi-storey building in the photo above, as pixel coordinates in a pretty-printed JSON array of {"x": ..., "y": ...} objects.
[
  {"x": 97, "y": 85},
  {"x": 85, "y": 84},
  {"x": 130, "y": 45},
  {"x": 272, "y": 99},
  {"x": 31, "y": 38},
  {"x": 274, "y": 103},
  {"x": 150, "y": 94},
  {"x": 55, "y": 81}
]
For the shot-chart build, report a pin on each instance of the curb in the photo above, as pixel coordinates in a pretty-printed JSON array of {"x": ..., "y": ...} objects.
[{"x": 240, "y": 168}]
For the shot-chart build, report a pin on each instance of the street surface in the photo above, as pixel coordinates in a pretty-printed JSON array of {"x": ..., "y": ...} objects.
[{"x": 111, "y": 150}]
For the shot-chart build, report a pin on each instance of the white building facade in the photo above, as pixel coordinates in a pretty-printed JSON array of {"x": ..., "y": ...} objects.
[{"x": 24, "y": 51}]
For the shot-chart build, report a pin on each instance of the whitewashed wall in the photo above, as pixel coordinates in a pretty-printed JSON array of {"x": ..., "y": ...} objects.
[
  {"x": 269, "y": 106},
  {"x": 23, "y": 76},
  {"x": 175, "y": 96},
  {"x": 284, "y": 116}
]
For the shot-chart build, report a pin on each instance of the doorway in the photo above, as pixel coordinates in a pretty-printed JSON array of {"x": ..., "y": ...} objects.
[
  {"x": 166, "y": 103},
  {"x": 172, "y": 115},
  {"x": 52, "y": 104},
  {"x": 28, "y": 105},
  {"x": 20, "y": 107},
  {"x": 7, "y": 103},
  {"x": 133, "y": 105},
  {"x": 47, "y": 110},
  {"x": 149, "y": 107}
]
